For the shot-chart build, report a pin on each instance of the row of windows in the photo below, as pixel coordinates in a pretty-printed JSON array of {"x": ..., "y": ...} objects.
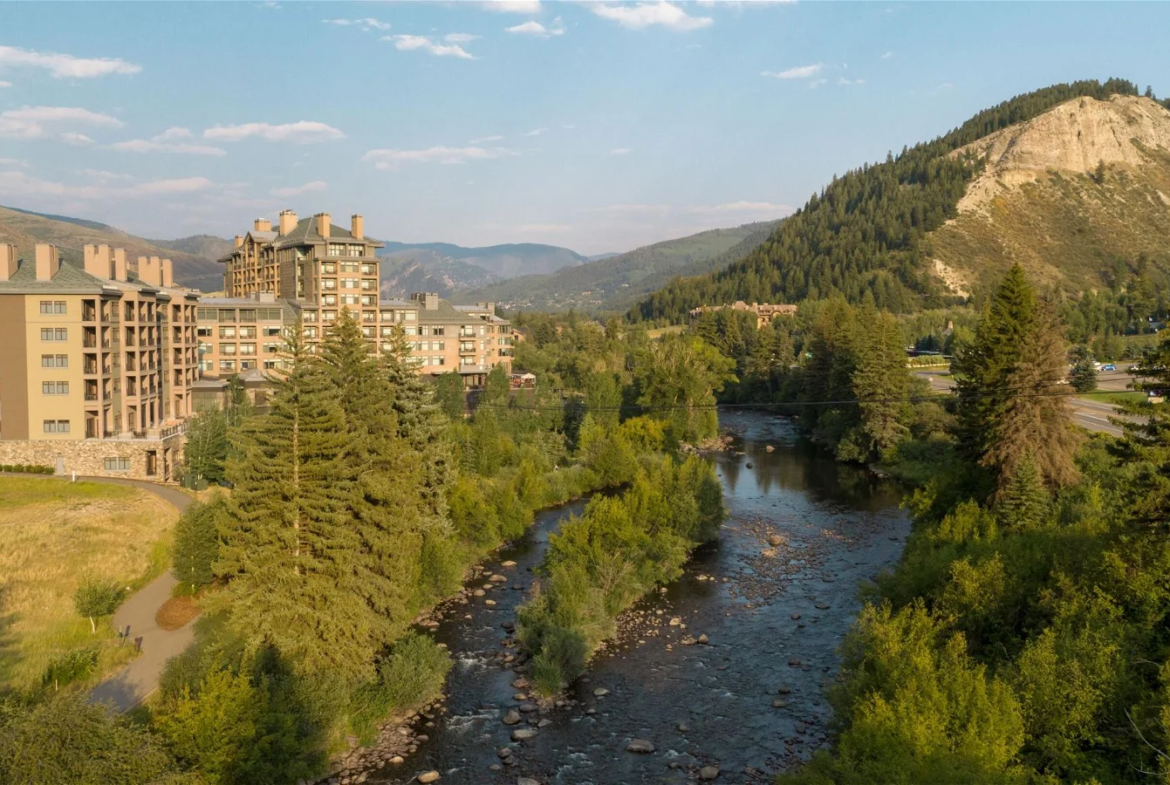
[
  {"x": 211, "y": 314},
  {"x": 427, "y": 346},
  {"x": 54, "y": 361},
  {"x": 56, "y": 426},
  {"x": 55, "y": 388},
  {"x": 54, "y": 334},
  {"x": 52, "y": 306},
  {"x": 116, "y": 464},
  {"x": 341, "y": 249}
]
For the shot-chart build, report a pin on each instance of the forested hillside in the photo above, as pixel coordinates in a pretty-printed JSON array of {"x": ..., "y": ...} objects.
[
  {"x": 870, "y": 230},
  {"x": 617, "y": 281}
]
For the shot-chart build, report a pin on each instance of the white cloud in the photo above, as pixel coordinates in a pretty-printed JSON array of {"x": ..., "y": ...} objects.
[
  {"x": 74, "y": 139},
  {"x": 620, "y": 151},
  {"x": 460, "y": 38},
  {"x": 643, "y": 15},
  {"x": 271, "y": 5},
  {"x": 159, "y": 144},
  {"x": 21, "y": 184},
  {"x": 537, "y": 132},
  {"x": 887, "y": 56},
  {"x": 798, "y": 72},
  {"x": 814, "y": 84},
  {"x": 32, "y": 122},
  {"x": 513, "y": 6},
  {"x": 103, "y": 176},
  {"x": 173, "y": 132},
  {"x": 392, "y": 159},
  {"x": 847, "y": 82},
  {"x": 297, "y": 190},
  {"x": 368, "y": 23},
  {"x": 5, "y": 84},
  {"x": 301, "y": 132},
  {"x": 62, "y": 66},
  {"x": 409, "y": 43},
  {"x": 13, "y": 162},
  {"x": 483, "y": 139},
  {"x": 537, "y": 30}
]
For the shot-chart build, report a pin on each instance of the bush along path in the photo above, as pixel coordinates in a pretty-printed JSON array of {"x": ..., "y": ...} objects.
[{"x": 129, "y": 687}]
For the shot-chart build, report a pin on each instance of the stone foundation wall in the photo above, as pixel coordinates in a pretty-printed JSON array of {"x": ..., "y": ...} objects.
[{"x": 87, "y": 457}]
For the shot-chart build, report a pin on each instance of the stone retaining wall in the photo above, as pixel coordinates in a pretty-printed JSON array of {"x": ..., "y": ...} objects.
[{"x": 88, "y": 456}]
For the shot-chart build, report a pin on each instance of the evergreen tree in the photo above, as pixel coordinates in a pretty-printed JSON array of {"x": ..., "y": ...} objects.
[
  {"x": 1083, "y": 376},
  {"x": 196, "y": 546},
  {"x": 449, "y": 394},
  {"x": 1034, "y": 417},
  {"x": 299, "y": 572},
  {"x": 1146, "y": 446},
  {"x": 1024, "y": 501},
  {"x": 206, "y": 448},
  {"x": 881, "y": 380}
]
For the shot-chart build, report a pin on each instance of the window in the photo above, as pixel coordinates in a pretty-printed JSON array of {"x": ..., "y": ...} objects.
[
  {"x": 349, "y": 283},
  {"x": 247, "y": 314},
  {"x": 54, "y": 388},
  {"x": 116, "y": 464},
  {"x": 54, "y": 334},
  {"x": 329, "y": 267},
  {"x": 329, "y": 299},
  {"x": 52, "y": 306},
  {"x": 247, "y": 348},
  {"x": 271, "y": 348},
  {"x": 227, "y": 365},
  {"x": 369, "y": 299},
  {"x": 227, "y": 348},
  {"x": 328, "y": 283},
  {"x": 349, "y": 267},
  {"x": 54, "y": 361},
  {"x": 369, "y": 283},
  {"x": 247, "y": 332},
  {"x": 410, "y": 330},
  {"x": 227, "y": 332},
  {"x": 337, "y": 249},
  {"x": 56, "y": 426},
  {"x": 411, "y": 316},
  {"x": 368, "y": 269},
  {"x": 349, "y": 299}
]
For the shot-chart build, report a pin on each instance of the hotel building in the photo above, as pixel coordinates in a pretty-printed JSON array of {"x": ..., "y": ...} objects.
[{"x": 97, "y": 363}]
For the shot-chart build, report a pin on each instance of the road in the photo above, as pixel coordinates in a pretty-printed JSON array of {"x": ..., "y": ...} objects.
[{"x": 1089, "y": 414}]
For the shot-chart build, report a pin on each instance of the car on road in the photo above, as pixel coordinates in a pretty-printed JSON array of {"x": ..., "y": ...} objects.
[{"x": 1109, "y": 367}]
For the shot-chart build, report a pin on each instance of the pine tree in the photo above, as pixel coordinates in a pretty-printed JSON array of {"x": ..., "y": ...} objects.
[
  {"x": 298, "y": 580},
  {"x": 1146, "y": 446},
  {"x": 449, "y": 394},
  {"x": 881, "y": 380},
  {"x": 1024, "y": 501},
  {"x": 1034, "y": 418},
  {"x": 388, "y": 477},
  {"x": 424, "y": 427}
]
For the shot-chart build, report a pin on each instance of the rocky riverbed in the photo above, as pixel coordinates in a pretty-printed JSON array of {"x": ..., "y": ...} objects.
[{"x": 717, "y": 677}]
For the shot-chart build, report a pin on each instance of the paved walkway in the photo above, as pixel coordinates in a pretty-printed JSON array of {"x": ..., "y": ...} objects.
[{"x": 139, "y": 679}]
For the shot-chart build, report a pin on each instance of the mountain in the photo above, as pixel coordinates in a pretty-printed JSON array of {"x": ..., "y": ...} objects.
[
  {"x": 615, "y": 282},
  {"x": 502, "y": 261},
  {"x": 26, "y": 228},
  {"x": 205, "y": 246},
  {"x": 1070, "y": 180},
  {"x": 421, "y": 270}
]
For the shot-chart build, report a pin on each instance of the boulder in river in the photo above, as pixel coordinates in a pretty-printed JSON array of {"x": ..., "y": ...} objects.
[
  {"x": 709, "y": 773},
  {"x": 512, "y": 717},
  {"x": 600, "y": 692},
  {"x": 428, "y": 776},
  {"x": 641, "y": 746},
  {"x": 703, "y": 639},
  {"x": 526, "y": 781},
  {"x": 521, "y": 734}
]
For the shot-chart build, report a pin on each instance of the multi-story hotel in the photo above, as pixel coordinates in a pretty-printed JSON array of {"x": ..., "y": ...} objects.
[
  {"x": 312, "y": 270},
  {"x": 97, "y": 362}
]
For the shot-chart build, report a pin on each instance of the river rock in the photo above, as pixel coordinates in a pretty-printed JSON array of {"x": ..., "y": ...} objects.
[
  {"x": 600, "y": 692},
  {"x": 770, "y": 448},
  {"x": 709, "y": 773},
  {"x": 497, "y": 578},
  {"x": 504, "y": 752},
  {"x": 526, "y": 781},
  {"x": 397, "y": 760},
  {"x": 489, "y": 602},
  {"x": 775, "y": 540},
  {"x": 478, "y": 592},
  {"x": 703, "y": 639},
  {"x": 528, "y": 707},
  {"x": 784, "y": 690},
  {"x": 521, "y": 734},
  {"x": 641, "y": 746},
  {"x": 675, "y": 621},
  {"x": 521, "y": 683},
  {"x": 544, "y": 723},
  {"x": 428, "y": 776},
  {"x": 512, "y": 717},
  {"x": 822, "y": 606},
  {"x": 687, "y": 640},
  {"x": 779, "y": 704}
]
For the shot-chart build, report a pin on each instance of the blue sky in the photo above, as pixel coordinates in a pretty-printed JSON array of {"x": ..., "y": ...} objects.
[{"x": 598, "y": 126}]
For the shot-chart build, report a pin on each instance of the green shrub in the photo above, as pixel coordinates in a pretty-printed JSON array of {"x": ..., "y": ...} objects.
[
  {"x": 71, "y": 666},
  {"x": 94, "y": 599},
  {"x": 197, "y": 545},
  {"x": 411, "y": 676}
]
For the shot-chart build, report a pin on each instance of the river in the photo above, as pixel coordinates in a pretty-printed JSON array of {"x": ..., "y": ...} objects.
[{"x": 774, "y": 597}]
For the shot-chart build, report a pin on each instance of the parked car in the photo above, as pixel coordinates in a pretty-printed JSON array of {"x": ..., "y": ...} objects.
[{"x": 1109, "y": 367}]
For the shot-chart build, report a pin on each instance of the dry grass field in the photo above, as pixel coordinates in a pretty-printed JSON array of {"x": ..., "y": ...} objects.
[{"x": 54, "y": 534}]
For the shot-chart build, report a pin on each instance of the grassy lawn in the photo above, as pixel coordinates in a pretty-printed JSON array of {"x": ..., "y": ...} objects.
[
  {"x": 658, "y": 332},
  {"x": 1114, "y": 397},
  {"x": 53, "y": 534}
]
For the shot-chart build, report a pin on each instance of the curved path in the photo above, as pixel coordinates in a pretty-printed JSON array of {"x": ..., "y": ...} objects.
[{"x": 136, "y": 681}]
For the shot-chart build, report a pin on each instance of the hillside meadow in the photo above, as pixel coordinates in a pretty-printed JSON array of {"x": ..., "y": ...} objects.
[{"x": 53, "y": 535}]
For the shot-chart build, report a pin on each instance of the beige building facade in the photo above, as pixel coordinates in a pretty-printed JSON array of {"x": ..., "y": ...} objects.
[
  {"x": 104, "y": 352},
  {"x": 312, "y": 270}
]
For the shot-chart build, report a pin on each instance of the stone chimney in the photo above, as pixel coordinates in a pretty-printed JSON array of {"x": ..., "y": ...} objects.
[
  {"x": 7, "y": 261},
  {"x": 238, "y": 240},
  {"x": 357, "y": 226},
  {"x": 324, "y": 221},
  {"x": 150, "y": 270},
  {"x": 168, "y": 273},
  {"x": 428, "y": 300},
  {"x": 119, "y": 264},
  {"x": 288, "y": 221},
  {"x": 47, "y": 261},
  {"x": 262, "y": 225}
]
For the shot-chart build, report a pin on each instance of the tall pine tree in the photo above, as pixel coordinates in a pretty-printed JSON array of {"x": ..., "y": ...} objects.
[{"x": 880, "y": 380}]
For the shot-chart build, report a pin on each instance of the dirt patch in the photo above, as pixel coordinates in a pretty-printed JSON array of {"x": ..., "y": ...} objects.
[{"x": 176, "y": 612}]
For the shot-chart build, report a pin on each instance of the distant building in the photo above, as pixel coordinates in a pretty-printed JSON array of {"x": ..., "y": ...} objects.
[
  {"x": 765, "y": 312},
  {"x": 97, "y": 363},
  {"x": 311, "y": 269}
]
